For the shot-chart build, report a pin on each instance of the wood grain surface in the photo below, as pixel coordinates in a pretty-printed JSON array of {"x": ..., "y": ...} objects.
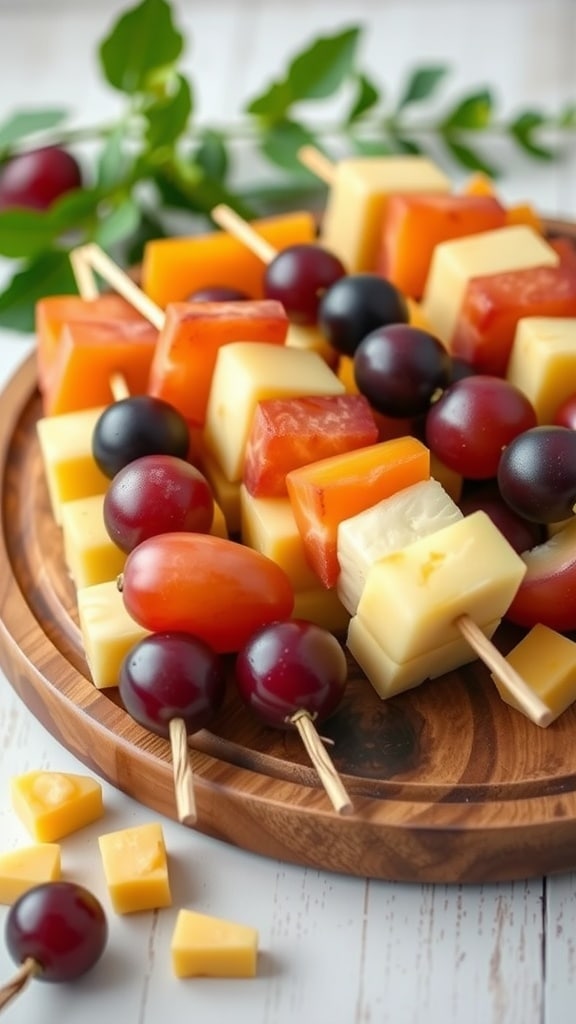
[{"x": 448, "y": 783}]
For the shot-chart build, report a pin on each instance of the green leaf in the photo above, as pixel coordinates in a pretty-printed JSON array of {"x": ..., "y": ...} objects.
[
  {"x": 167, "y": 118},
  {"x": 143, "y": 40},
  {"x": 272, "y": 103},
  {"x": 148, "y": 229},
  {"x": 372, "y": 147},
  {"x": 402, "y": 144},
  {"x": 24, "y": 233},
  {"x": 367, "y": 96},
  {"x": 567, "y": 116},
  {"x": 48, "y": 274},
  {"x": 524, "y": 130},
  {"x": 472, "y": 114},
  {"x": 282, "y": 143},
  {"x": 112, "y": 161},
  {"x": 422, "y": 84},
  {"x": 320, "y": 70},
  {"x": 122, "y": 222},
  {"x": 27, "y": 122},
  {"x": 73, "y": 208},
  {"x": 469, "y": 158},
  {"x": 212, "y": 155}
]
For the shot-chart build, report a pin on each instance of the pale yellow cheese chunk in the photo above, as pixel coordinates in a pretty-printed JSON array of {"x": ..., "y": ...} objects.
[
  {"x": 108, "y": 631},
  {"x": 312, "y": 339},
  {"x": 247, "y": 373},
  {"x": 546, "y": 661},
  {"x": 353, "y": 221},
  {"x": 226, "y": 494},
  {"x": 390, "y": 525},
  {"x": 269, "y": 526},
  {"x": 455, "y": 263},
  {"x": 90, "y": 554},
  {"x": 322, "y": 607},
  {"x": 212, "y": 947},
  {"x": 22, "y": 869},
  {"x": 543, "y": 362},
  {"x": 412, "y": 597},
  {"x": 389, "y": 677},
  {"x": 54, "y": 804},
  {"x": 69, "y": 467},
  {"x": 136, "y": 868}
]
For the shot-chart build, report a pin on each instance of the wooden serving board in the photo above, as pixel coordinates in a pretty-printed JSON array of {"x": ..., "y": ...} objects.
[{"x": 448, "y": 783}]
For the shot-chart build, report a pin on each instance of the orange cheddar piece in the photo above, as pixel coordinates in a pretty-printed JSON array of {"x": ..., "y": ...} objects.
[
  {"x": 89, "y": 354},
  {"x": 188, "y": 344},
  {"x": 325, "y": 493},
  {"x": 175, "y": 268},
  {"x": 53, "y": 312},
  {"x": 54, "y": 804},
  {"x": 416, "y": 224}
]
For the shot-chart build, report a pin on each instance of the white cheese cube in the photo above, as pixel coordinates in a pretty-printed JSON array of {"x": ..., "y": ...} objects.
[{"x": 108, "y": 631}]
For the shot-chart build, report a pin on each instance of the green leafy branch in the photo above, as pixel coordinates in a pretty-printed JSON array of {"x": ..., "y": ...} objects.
[{"x": 158, "y": 160}]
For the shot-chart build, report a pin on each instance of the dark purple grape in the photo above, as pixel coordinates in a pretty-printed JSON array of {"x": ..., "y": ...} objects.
[
  {"x": 355, "y": 306},
  {"x": 218, "y": 293},
  {"x": 291, "y": 666},
  {"x": 399, "y": 368},
  {"x": 172, "y": 675},
  {"x": 520, "y": 534},
  {"x": 537, "y": 474},
  {"x": 156, "y": 494},
  {"x": 59, "y": 925},
  {"x": 137, "y": 426},
  {"x": 37, "y": 178},
  {"x": 298, "y": 277}
]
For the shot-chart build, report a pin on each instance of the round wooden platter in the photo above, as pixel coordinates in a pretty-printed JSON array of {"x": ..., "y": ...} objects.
[{"x": 448, "y": 783}]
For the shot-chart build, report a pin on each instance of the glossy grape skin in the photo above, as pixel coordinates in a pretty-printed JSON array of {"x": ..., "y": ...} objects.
[
  {"x": 355, "y": 306},
  {"x": 218, "y": 293},
  {"x": 291, "y": 666},
  {"x": 565, "y": 415},
  {"x": 156, "y": 494},
  {"x": 537, "y": 474},
  {"x": 36, "y": 179},
  {"x": 172, "y": 675},
  {"x": 61, "y": 926},
  {"x": 473, "y": 421},
  {"x": 298, "y": 277},
  {"x": 521, "y": 534},
  {"x": 399, "y": 368},
  {"x": 137, "y": 426}
]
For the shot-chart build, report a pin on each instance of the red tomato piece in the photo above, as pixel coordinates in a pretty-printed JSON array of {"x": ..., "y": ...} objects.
[
  {"x": 494, "y": 304},
  {"x": 287, "y": 433},
  {"x": 215, "y": 589}
]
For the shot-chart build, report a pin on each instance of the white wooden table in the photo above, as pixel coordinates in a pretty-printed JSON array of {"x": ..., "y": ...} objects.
[{"x": 334, "y": 950}]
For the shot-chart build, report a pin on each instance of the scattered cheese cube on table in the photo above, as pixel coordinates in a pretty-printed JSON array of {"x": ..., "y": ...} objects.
[
  {"x": 211, "y": 947},
  {"x": 136, "y": 868},
  {"x": 54, "y": 804},
  {"x": 27, "y": 867}
]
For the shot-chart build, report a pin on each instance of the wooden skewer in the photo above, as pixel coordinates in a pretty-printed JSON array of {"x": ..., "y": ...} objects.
[
  {"x": 85, "y": 260},
  {"x": 227, "y": 219},
  {"x": 510, "y": 678},
  {"x": 318, "y": 163},
  {"x": 121, "y": 282},
  {"x": 12, "y": 988},
  {"x": 331, "y": 781}
]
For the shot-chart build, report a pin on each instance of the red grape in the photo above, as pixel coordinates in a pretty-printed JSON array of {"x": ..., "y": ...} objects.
[
  {"x": 291, "y": 666},
  {"x": 473, "y": 421},
  {"x": 36, "y": 179},
  {"x": 537, "y": 474},
  {"x": 137, "y": 426},
  {"x": 61, "y": 926},
  {"x": 399, "y": 368},
  {"x": 218, "y": 293},
  {"x": 565, "y": 415},
  {"x": 355, "y": 306},
  {"x": 298, "y": 278},
  {"x": 156, "y": 494},
  {"x": 172, "y": 675}
]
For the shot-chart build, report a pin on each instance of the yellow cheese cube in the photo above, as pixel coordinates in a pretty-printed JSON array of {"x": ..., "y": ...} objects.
[
  {"x": 543, "y": 362},
  {"x": 546, "y": 661},
  {"x": 356, "y": 207},
  {"x": 455, "y": 263},
  {"x": 321, "y": 606},
  {"x": 269, "y": 526},
  {"x": 389, "y": 677},
  {"x": 108, "y": 631},
  {"x": 54, "y": 804},
  {"x": 390, "y": 525},
  {"x": 412, "y": 597},
  {"x": 247, "y": 373},
  {"x": 219, "y": 526},
  {"x": 226, "y": 493},
  {"x": 136, "y": 868},
  {"x": 211, "y": 947},
  {"x": 90, "y": 554},
  {"x": 22, "y": 869},
  {"x": 312, "y": 339},
  {"x": 66, "y": 446}
]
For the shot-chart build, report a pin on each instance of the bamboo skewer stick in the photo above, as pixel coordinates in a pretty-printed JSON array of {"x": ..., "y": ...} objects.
[
  {"x": 331, "y": 781},
  {"x": 318, "y": 163},
  {"x": 96, "y": 258},
  {"x": 227, "y": 219},
  {"x": 29, "y": 969}
]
